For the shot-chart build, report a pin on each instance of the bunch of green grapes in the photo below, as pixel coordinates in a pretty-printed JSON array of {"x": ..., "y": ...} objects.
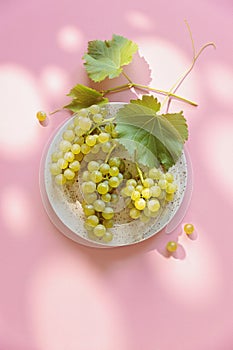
[
  {"x": 100, "y": 181},
  {"x": 88, "y": 132},
  {"x": 145, "y": 194}
]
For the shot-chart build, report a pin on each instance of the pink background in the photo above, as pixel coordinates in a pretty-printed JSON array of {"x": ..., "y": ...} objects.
[{"x": 56, "y": 294}]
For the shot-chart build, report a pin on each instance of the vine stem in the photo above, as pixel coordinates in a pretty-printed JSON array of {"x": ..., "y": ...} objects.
[
  {"x": 109, "y": 153},
  {"x": 178, "y": 83},
  {"x": 139, "y": 172}
]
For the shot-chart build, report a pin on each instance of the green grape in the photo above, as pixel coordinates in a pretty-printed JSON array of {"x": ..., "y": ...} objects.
[
  {"x": 76, "y": 148},
  {"x": 155, "y": 191},
  {"x": 114, "y": 161},
  {"x": 113, "y": 171},
  {"x": 69, "y": 156},
  {"x": 104, "y": 168},
  {"x": 92, "y": 220},
  {"x": 106, "y": 197},
  {"x": 135, "y": 195},
  {"x": 128, "y": 190},
  {"x": 85, "y": 123},
  {"x": 70, "y": 126},
  {"x": 79, "y": 157},
  {"x": 114, "y": 133},
  {"x": 169, "y": 177},
  {"x": 189, "y": 229},
  {"x": 134, "y": 213},
  {"x": 103, "y": 137},
  {"x": 147, "y": 212},
  {"x": 114, "y": 198},
  {"x": 85, "y": 149},
  {"x": 65, "y": 145},
  {"x": 146, "y": 193},
  {"x": 131, "y": 182},
  {"x": 96, "y": 176},
  {"x": 86, "y": 175},
  {"x": 154, "y": 173},
  {"x": 60, "y": 179},
  {"x": 97, "y": 118},
  {"x": 148, "y": 182},
  {"x": 83, "y": 112},
  {"x": 99, "y": 205},
  {"x": 162, "y": 184},
  {"x": 99, "y": 230},
  {"x": 69, "y": 174},
  {"x": 171, "y": 188},
  {"x": 75, "y": 165},
  {"x": 140, "y": 204},
  {"x": 144, "y": 218},
  {"x": 120, "y": 177},
  {"x": 68, "y": 135},
  {"x": 169, "y": 197},
  {"x": 139, "y": 188},
  {"x": 102, "y": 188},
  {"x": 91, "y": 140},
  {"x": 79, "y": 140},
  {"x": 79, "y": 131},
  {"x": 56, "y": 155},
  {"x": 153, "y": 205},
  {"x": 88, "y": 209},
  {"x": 107, "y": 237},
  {"x": 162, "y": 195},
  {"x": 171, "y": 246},
  {"x": 106, "y": 147},
  {"x": 108, "y": 223},
  {"x": 76, "y": 121},
  {"x": 108, "y": 213},
  {"x": 114, "y": 182},
  {"x": 88, "y": 187},
  {"x": 90, "y": 198},
  {"x": 95, "y": 149},
  {"x": 94, "y": 109},
  {"x": 93, "y": 165},
  {"x": 55, "y": 169},
  {"x": 62, "y": 163}
]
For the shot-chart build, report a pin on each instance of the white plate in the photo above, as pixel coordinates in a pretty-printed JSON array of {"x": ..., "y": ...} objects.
[{"x": 66, "y": 212}]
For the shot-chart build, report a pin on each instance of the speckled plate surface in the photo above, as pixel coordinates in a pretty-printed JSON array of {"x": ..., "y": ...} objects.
[{"x": 64, "y": 209}]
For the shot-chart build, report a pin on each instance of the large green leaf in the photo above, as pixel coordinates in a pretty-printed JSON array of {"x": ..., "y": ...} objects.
[
  {"x": 106, "y": 58},
  {"x": 148, "y": 101},
  {"x": 84, "y": 97},
  {"x": 153, "y": 138}
]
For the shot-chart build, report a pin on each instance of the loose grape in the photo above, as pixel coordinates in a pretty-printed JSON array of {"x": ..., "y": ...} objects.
[
  {"x": 85, "y": 123},
  {"x": 96, "y": 176},
  {"x": 134, "y": 213},
  {"x": 75, "y": 165},
  {"x": 68, "y": 135},
  {"x": 189, "y": 229},
  {"x": 69, "y": 174},
  {"x": 135, "y": 195},
  {"x": 114, "y": 181},
  {"x": 91, "y": 140},
  {"x": 62, "y": 163},
  {"x": 106, "y": 147},
  {"x": 88, "y": 209},
  {"x": 69, "y": 156},
  {"x": 41, "y": 116},
  {"x": 99, "y": 230},
  {"x": 88, "y": 187},
  {"x": 60, "y": 179},
  {"x": 102, "y": 188},
  {"x": 55, "y": 169},
  {"x": 95, "y": 149},
  {"x": 99, "y": 205},
  {"x": 92, "y": 220},
  {"x": 103, "y": 137},
  {"x": 107, "y": 237},
  {"x": 104, "y": 168},
  {"x": 144, "y": 218},
  {"x": 114, "y": 161},
  {"x": 171, "y": 246},
  {"x": 90, "y": 197},
  {"x": 65, "y": 146},
  {"x": 93, "y": 165},
  {"x": 97, "y": 118},
  {"x": 148, "y": 182},
  {"x": 94, "y": 109},
  {"x": 108, "y": 213},
  {"x": 113, "y": 171},
  {"x": 140, "y": 203},
  {"x": 86, "y": 175},
  {"x": 153, "y": 205}
]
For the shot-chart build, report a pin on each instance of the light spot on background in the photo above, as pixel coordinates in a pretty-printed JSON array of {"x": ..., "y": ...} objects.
[
  {"x": 71, "y": 309},
  {"x": 220, "y": 82},
  {"x": 216, "y": 141},
  {"x": 70, "y": 39},
  {"x": 54, "y": 81},
  {"x": 139, "y": 20},
  {"x": 15, "y": 209},
  {"x": 20, "y": 100}
]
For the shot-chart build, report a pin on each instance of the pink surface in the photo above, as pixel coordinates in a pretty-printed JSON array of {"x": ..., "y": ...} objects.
[{"x": 56, "y": 294}]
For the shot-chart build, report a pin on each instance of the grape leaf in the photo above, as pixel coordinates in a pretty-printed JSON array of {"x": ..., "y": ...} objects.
[
  {"x": 106, "y": 58},
  {"x": 148, "y": 101},
  {"x": 84, "y": 97},
  {"x": 154, "y": 138}
]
